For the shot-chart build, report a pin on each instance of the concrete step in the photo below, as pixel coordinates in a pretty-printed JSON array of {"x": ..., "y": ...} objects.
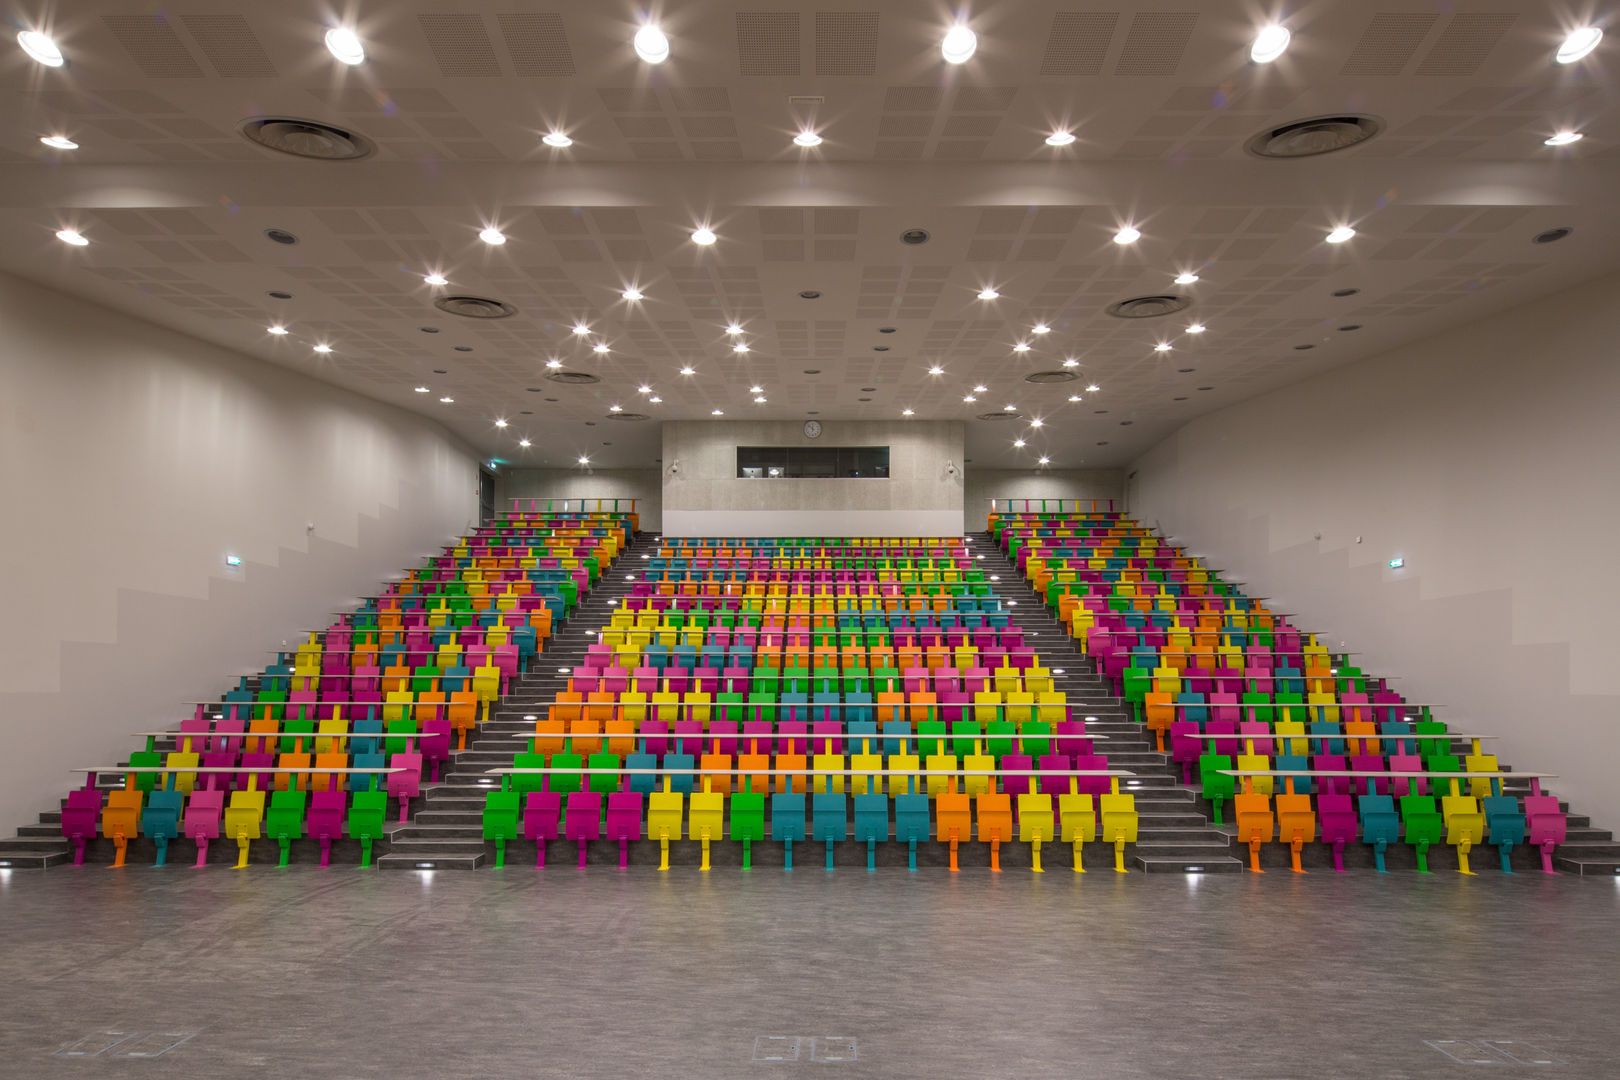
[
  {"x": 431, "y": 862},
  {"x": 1169, "y": 864},
  {"x": 15, "y": 858},
  {"x": 1587, "y": 867}
]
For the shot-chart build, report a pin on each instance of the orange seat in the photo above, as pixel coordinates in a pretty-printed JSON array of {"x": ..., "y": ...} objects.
[
  {"x": 549, "y": 736},
  {"x": 292, "y": 781},
  {"x": 791, "y": 783},
  {"x": 995, "y": 824},
  {"x": 328, "y": 781},
  {"x": 717, "y": 781}
]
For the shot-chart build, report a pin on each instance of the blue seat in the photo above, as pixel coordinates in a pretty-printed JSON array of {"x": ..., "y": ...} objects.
[
  {"x": 1292, "y": 763},
  {"x": 1319, "y": 732},
  {"x": 1505, "y": 822},
  {"x": 161, "y": 820},
  {"x": 871, "y": 825},
  {"x": 858, "y": 728},
  {"x": 858, "y": 709},
  {"x": 911, "y": 823},
  {"x": 366, "y": 736},
  {"x": 897, "y": 746},
  {"x": 787, "y": 821},
  {"x": 454, "y": 679},
  {"x": 367, "y": 781},
  {"x": 1193, "y": 707},
  {"x": 644, "y": 783},
  {"x": 1380, "y": 826},
  {"x": 680, "y": 781}
]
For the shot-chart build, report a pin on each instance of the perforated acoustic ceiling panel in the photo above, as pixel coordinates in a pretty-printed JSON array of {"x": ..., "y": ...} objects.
[
  {"x": 537, "y": 43},
  {"x": 767, "y": 43},
  {"x": 1077, "y": 43},
  {"x": 1155, "y": 42},
  {"x": 152, "y": 43},
  {"x": 1465, "y": 43},
  {"x": 1388, "y": 44},
  {"x": 230, "y": 46},
  {"x": 846, "y": 42},
  {"x": 460, "y": 45}
]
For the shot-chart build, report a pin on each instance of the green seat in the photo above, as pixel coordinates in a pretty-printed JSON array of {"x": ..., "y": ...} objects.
[
  {"x": 1138, "y": 681},
  {"x": 748, "y": 821},
  {"x": 294, "y": 728},
  {"x": 143, "y": 758},
  {"x": 284, "y": 822},
  {"x": 523, "y": 783},
  {"x": 965, "y": 737},
  {"x": 1036, "y": 738},
  {"x": 604, "y": 782},
  {"x": 567, "y": 783},
  {"x": 1423, "y": 826},
  {"x": 366, "y": 813},
  {"x": 1217, "y": 787},
  {"x": 405, "y": 732},
  {"x": 501, "y": 821},
  {"x": 425, "y": 679},
  {"x": 1445, "y": 763},
  {"x": 998, "y": 748},
  {"x": 887, "y": 680},
  {"x": 927, "y": 748}
]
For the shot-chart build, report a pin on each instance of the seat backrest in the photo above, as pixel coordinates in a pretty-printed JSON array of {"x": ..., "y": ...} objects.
[
  {"x": 787, "y": 815},
  {"x": 1503, "y": 819},
  {"x": 1421, "y": 819},
  {"x": 1378, "y": 820},
  {"x": 911, "y": 817},
  {"x": 1254, "y": 818},
  {"x": 1035, "y": 817},
  {"x": 1119, "y": 818}
]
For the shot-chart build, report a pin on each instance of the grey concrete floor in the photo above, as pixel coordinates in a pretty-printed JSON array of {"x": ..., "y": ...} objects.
[{"x": 562, "y": 973}]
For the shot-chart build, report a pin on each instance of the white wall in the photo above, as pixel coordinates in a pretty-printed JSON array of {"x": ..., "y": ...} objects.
[
  {"x": 1489, "y": 459},
  {"x": 703, "y": 495},
  {"x": 643, "y": 485},
  {"x": 986, "y": 484},
  {"x": 132, "y": 460}
]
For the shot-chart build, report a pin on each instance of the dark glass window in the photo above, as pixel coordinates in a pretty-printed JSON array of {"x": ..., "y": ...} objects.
[{"x": 813, "y": 462}]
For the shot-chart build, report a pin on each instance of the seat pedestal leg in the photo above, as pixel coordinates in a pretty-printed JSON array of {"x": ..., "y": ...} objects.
[
  {"x": 1035, "y": 855},
  {"x": 748, "y": 855},
  {"x": 162, "y": 851},
  {"x": 1254, "y": 856},
  {"x": 1295, "y": 846},
  {"x": 286, "y": 850},
  {"x": 1546, "y": 858},
  {"x": 241, "y": 852},
  {"x": 1423, "y": 857},
  {"x": 78, "y": 850},
  {"x": 663, "y": 849},
  {"x": 326, "y": 851},
  {"x": 1507, "y": 866},
  {"x": 582, "y": 853},
  {"x": 365, "y": 851},
  {"x": 1119, "y": 854},
  {"x": 954, "y": 867},
  {"x": 122, "y": 845},
  {"x": 705, "y": 865},
  {"x": 1338, "y": 857},
  {"x": 1378, "y": 855},
  {"x": 787, "y": 855},
  {"x": 911, "y": 853},
  {"x": 202, "y": 853},
  {"x": 624, "y": 852},
  {"x": 995, "y": 854},
  {"x": 1462, "y": 857},
  {"x": 1079, "y": 863}
]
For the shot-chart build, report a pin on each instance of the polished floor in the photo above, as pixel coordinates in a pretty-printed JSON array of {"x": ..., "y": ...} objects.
[{"x": 513, "y": 973}]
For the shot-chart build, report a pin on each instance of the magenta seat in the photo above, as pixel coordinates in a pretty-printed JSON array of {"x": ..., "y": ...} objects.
[
  {"x": 624, "y": 821},
  {"x": 1368, "y": 763},
  {"x": 79, "y": 819},
  {"x": 582, "y": 820},
  {"x": 1056, "y": 785},
  {"x": 1071, "y": 739},
  {"x": 1093, "y": 785},
  {"x": 325, "y": 820},
  {"x": 542, "y": 811},
  {"x": 406, "y": 785},
  {"x": 1333, "y": 785},
  {"x": 1016, "y": 785},
  {"x": 1336, "y": 820},
  {"x": 203, "y": 812}
]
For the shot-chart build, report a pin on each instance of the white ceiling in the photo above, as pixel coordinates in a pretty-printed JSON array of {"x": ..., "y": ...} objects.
[{"x": 1162, "y": 97}]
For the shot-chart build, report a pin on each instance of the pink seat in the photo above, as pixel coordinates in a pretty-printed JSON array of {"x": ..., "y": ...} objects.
[
  {"x": 583, "y": 819},
  {"x": 1017, "y": 785},
  {"x": 1059, "y": 784},
  {"x": 1336, "y": 820},
  {"x": 541, "y": 813},
  {"x": 1364, "y": 785},
  {"x": 203, "y": 812},
  {"x": 1399, "y": 763},
  {"x": 1093, "y": 785},
  {"x": 325, "y": 820},
  {"x": 723, "y": 736},
  {"x": 79, "y": 819},
  {"x": 406, "y": 785},
  {"x": 685, "y": 744},
  {"x": 1547, "y": 826},
  {"x": 624, "y": 821},
  {"x": 1071, "y": 739}
]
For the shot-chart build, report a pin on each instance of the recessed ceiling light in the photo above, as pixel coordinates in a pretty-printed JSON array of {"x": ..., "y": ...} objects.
[
  {"x": 278, "y": 329},
  {"x": 1044, "y": 461},
  {"x": 1009, "y": 408},
  {"x": 1037, "y": 422},
  {"x": 1269, "y": 43},
  {"x": 807, "y": 138},
  {"x": 651, "y": 44},
  {"x": 687, "y": 371},
  {"x": 581, "y": 329},
  {"x": 71, "y": 236},
  {"x": 958, "y": 45},
  {"x": 1340, "y": 235},
  {"x": 988, "y": 293},
  {"x": 656, "y": 400},
  {"x": 1070, "y": 361},
  {"x": 908, "y": 412},
  {"x": 1019, "y": 443},
  {"x": 734, "y": 329},
  {"x": 322, "y": 347},
  {"x": 1563, "y": 138},
  {"x": 643, "y": 389},
  {"x": 1577, "y": 45},
  {"x": 62, "y": 142},
  {"x": 600, "y": 347},
  {"x": 741, "y": 346},
  {"x": 717, "y": 412},
  {"x": 1093, "y": 388},
  {"x": 436, "y": 279},
  {"x": 492, "y": 235},
  {"x": 421, "y": 389},
  {"x": 970, "y": 399},
  {"x": 553, "y": 363},
  {"x": 523, "y": 442},
  {"x": 1040, "y": 328},
  {"x": 1186, "y": 278},
  {"x": 1196, "y": 328},
  {"x": 1060, "y": 138},
  {"x": 979, "y": 389},
  {"x": 759, "y": 401},
  {"x": 1075, "y": 397},
  {"x": 936, "y": 370},
  {"x": 583, "y": 460},
  {"x": 1022, "y": 346},
  {"x": 1127, "y": 234},
  {"x": 42, "y": 48},
  {"x": 703, "y": 237},
  {"x": 631, "y": 293},
  {"x": 557, "y": 139},
  {"x": 1163, "y": 346},
  {"x": 615, "y": 408},
  {"x": 756, "y": 389},
  {"x": 500, "y": 423},
  {"x": 447, "y": 400},
  {"x": 345, "y": 44}
]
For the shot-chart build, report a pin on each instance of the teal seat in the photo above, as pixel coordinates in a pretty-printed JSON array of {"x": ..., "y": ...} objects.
[
  {"x": 161, "y": 820},
  {"x": 787, "y": 822},
  {"x": 911, "y": 823},
  {"x": 1505, "y": 822},
  {"x": 1379, "y": 825}
]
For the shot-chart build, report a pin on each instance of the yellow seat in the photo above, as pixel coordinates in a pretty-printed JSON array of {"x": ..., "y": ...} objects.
[
  {"x": 181, "y": 781},
  {"x": 1119, "y": 824},
  {"x": 859, "y": 784},
  {"x": 824, "y": 783},
  {"x": 664, "y": 821},
  {"x": 1465, "y": 826},
  {"x": 244, "y": 819},
  {"x": 1035, "y": 824},
  {"x": 902, "y": 773},
  {"x": 978, "y": 785},
  {"x": 1077, "y": 817},
  {"x": 331, "y": 736},
  {"x": 1262, "y": 785},
  {"x": 705, "y": 819},
  {"x": 1480, "y": 786},
  {"x": 941, "y": 769}
]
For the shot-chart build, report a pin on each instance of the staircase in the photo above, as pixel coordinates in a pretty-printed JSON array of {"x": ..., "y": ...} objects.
[{"x": 446, "y": 830}]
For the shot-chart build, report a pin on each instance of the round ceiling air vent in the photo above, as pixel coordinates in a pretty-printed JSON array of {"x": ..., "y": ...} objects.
[
  {"x": 572, "y": 378},
  {"x": 1148, "y": 307},
  {"x": 1552, "y": 236},
  {"x": 1059, "y": 376},
  {"x": 474, "y": 307},
  {"x": 305, "y": 138},
  {"x": 1310, "y": 138},
  {"x": 631, "y": 416},
  {"x": 914, "y": 236},
  {"x": 1002, "y": 415}
]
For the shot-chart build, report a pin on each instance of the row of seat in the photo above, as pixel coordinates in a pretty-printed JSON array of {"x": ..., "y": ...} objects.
[{"x": 847, "y": 678}]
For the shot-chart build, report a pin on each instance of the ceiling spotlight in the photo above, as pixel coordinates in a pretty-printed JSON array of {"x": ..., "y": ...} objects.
[
  {"x": 1040, "y": 328},
  {"x": 492, "y": 235},
  {"x": 908, "y": 412},
  {"x": 42, "y": 48},
  {"x": 741, "y": 346},
  {"x": 703, "y": 237},
  {"x": 807, "y": 138},
  {"x": 734, "y": 329},
  {"x": 1075, "y": 397},
  {"x": 632, "y": 293},
  {"x": 322, "y": 347},
  {"x": 759, "y": 401},
  {"x": 970, "y": 399},
  {"x": 344, "y": 44},
  {"x": 1060, "y": 138},
  {"x": 1186, "y": 278},
  {"x": 421, "y": 389},
  {"x": 936, "y": 370},
  {"x": 557, "y": 139},
  {"x": 1046, "y": 461},
  {"x": 1578, "y": 44},
  {"x": 1563, "y": 138},
  {"x": 615, "y": 408},
  {"x": 581, "y": 329},
  {"x": 1196, "y": 328},
  {"x": 62, "y": 142},
  {"x": 600, "y": 347},
  {"x": 979, "y": 389},
  {"x": 436, "y": 278},
  {"x": 1127, "y": 235},
  {"x": 523, "y": 442},
  {"x": 1093, "y": 388},
  {"x": 656, "y": 400},
  {"x": 687, "y": 371},
  {"x": 447, "y": 400},
  {"x": 583, "y": 460},
  {"x": 1022, "y": 346},
  {"x": 1340, "y": 235},
  {"x": 987, "y": 293},
  {"x": 643, "y": 389},
  {"x": 1069, "y": 361},
  {"x": 756, "y": 389},
  {"x": 277, "y": 330},
  {"x": 554, "y": 363},
  {"x": 651, "y": 44},
  {"x": 500, "y": 423},
  {"x": 1019, "y": 443},
  {"x": 717, "y": 412},
  {"x": 1163, "y": 346},
  {"x": 1037, "y": 422},
  {"x": 1009, "y": 408},
  {"x": 1269, "y": 44},
  {"x": 958, "y": 45},
  {"x": 71, "y": 236}
]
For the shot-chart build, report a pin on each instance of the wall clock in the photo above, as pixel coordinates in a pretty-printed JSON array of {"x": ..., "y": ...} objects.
[{"x": 812, "y": 429}]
